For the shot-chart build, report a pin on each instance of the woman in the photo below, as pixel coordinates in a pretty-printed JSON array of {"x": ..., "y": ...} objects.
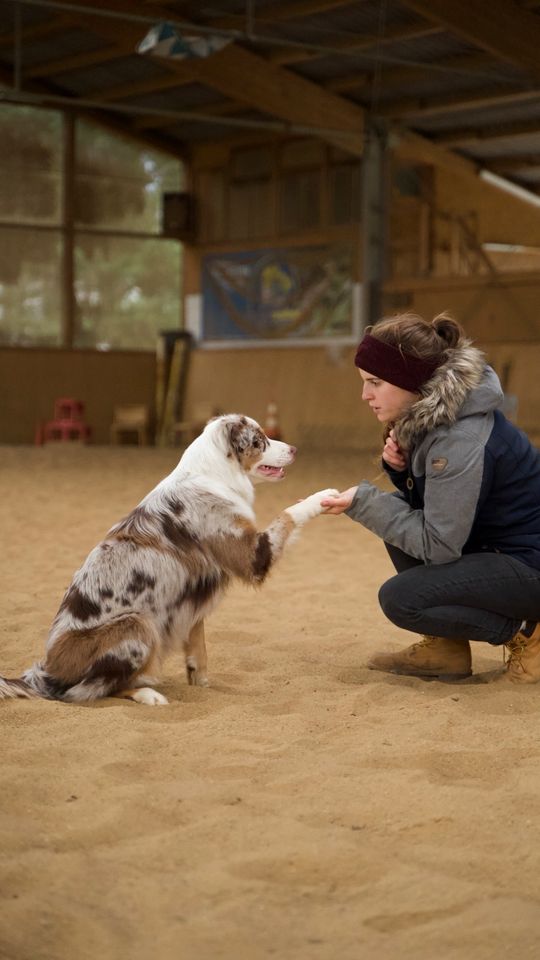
[{"x": 463, "y": 531}]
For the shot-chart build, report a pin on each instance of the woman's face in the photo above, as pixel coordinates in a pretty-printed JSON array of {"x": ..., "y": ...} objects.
[{"x": 386, "y": 400}]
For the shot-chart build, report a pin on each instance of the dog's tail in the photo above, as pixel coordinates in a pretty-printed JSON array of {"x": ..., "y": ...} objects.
[
  {"x": 33, "y": 684},
  {"x": 17, "y": 689}
]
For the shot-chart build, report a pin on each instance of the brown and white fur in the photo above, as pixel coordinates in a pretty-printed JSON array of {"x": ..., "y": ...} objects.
[{"x": 145, "y": 590}]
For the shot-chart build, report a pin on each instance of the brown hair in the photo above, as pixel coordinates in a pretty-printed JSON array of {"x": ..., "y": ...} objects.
[{"x": 418, "y": 337}]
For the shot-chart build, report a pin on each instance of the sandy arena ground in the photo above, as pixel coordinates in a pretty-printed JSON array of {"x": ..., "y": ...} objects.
[{"x": 302, "y": 807}]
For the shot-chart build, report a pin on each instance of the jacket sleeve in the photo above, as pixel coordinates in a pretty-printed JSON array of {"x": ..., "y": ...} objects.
[
  {"x": 398, "y": 477},
  {"x": 438, "y": 532}
]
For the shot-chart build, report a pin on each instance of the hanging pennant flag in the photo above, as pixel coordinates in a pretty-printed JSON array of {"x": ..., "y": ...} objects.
[{"x": 164, "y": 40}]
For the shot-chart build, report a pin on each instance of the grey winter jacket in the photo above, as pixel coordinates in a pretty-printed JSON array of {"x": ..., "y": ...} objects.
[{"x": 473, "y": 481}]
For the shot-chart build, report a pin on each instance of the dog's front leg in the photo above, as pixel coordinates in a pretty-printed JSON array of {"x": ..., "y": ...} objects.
[
  {"x": 196, "y": 660},
  {"x": 269, "y": 544}
]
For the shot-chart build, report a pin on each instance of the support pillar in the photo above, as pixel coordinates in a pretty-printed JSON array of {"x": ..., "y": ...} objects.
[{"x": 374, "y": 222}]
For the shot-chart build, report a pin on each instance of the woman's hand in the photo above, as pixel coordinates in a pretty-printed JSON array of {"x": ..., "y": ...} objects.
[
  {"x": 337, "y": 505},
  {"x": 393, "y": 454}
]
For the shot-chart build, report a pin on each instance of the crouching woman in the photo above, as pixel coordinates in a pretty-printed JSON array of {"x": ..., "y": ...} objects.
[{"x": 463, "y": 530}]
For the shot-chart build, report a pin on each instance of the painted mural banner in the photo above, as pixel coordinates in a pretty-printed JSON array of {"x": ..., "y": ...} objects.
[{"x": 295, "y": 294}]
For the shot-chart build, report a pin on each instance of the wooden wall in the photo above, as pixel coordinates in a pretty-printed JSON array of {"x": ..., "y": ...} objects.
[
  {"x": 31, "y": 380},
  {"x": 318, "y": 393},
  {"x": 490, "y": 308},
  {"x": 317, "y": 390}
]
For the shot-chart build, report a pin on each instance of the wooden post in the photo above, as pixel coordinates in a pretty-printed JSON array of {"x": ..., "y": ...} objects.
[
  {"x": 68, "y": 273},
  {"x": 374, "y": 192}
]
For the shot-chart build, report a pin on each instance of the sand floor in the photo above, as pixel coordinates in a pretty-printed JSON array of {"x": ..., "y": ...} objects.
[{"x": 302, "y": 807}]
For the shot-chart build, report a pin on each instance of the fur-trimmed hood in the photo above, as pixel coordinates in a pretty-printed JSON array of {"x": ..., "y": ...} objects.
[{"x": 461, "y": 386}]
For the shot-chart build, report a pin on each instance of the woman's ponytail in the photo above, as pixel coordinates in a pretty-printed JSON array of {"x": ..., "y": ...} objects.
[{"x": 448, "y": 329}]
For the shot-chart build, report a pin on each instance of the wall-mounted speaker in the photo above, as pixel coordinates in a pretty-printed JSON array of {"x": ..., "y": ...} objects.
[{"x": 178, "y": 218}]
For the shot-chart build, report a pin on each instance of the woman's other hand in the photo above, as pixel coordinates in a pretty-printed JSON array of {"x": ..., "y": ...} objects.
[
  {"x": 337, "y": 505},
  {"x": 393, "y": 454}
]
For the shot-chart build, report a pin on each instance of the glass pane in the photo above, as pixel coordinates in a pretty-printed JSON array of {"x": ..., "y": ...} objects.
[
  {"x": 30, "y": 287},
  {"x": 30, "y": 165},
  {"x": 126, "y": 290},
  {"x": 118, "y": 183}
]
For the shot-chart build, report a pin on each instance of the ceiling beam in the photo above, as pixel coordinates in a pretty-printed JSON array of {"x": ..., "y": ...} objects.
[
  {"x": 78, "y": 61},
  {"x": 512, "y": 163},
  {"x": 352, "y": 44},
  {"x": 37, "y": 30},
  {"x": 151, "y": 85},
  {"x": 249, "y": 79},
  {"x": 505, "y": 29},
  {"x": 471, "y": 135},
  {"x": 410, "y": 146},
  {"x": 473, "y": 64},
  {"x": 220, "y": 108},
  {"x": 276, "y": 12},
  {"x": 416, "y": 107},
  {"x": 120, "y": 126}
]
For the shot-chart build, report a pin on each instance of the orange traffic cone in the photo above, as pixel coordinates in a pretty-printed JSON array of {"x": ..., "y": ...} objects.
[{"x": 271, "y": 423}]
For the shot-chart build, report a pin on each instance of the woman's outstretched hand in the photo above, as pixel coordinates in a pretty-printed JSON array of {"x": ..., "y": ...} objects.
[
  {"x": 337, "y": 505},
  {"x": 393, "y": 454}
]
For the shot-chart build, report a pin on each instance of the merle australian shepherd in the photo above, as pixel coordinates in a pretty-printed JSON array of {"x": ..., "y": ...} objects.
[{"x": 145, "y": 590}]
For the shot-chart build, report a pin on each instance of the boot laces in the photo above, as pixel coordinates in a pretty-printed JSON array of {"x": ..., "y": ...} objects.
[
  {"x": 516, "y": 648},
  {"x": 425, "y": 641}
]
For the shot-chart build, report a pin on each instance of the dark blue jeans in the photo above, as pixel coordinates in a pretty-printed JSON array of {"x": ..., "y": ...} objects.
[{"x": 481, "y": 596}]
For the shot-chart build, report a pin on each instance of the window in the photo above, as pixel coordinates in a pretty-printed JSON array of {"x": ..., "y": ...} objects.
[
  {"x": 30, "y": 294},
  {"x": 126, "y": 290},
  {"x": 126, "y": 274}
]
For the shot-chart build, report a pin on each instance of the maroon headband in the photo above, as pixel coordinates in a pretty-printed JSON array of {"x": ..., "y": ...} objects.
[{"x": 393, "y": 365}]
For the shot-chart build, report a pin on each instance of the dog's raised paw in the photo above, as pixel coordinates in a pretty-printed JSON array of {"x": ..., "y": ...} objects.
[
  {"x": 323, "y": 494},
  {"x": 151, "y": 698}
]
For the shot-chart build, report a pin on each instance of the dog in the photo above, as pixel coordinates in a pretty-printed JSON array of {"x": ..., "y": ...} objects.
[{"x": 146, "y": 589}]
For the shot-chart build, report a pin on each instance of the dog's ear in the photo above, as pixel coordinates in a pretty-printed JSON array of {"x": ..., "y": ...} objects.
[
  {"x": 245, "y": 436},
  {"x": 239, "y": 436}
]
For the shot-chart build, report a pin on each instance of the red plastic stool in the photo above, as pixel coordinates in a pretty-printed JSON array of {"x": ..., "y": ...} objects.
[
  {"x": 67, "y": 408},
  {"x": 66, "y": 430},
  {"x": 68, "y": 424}
]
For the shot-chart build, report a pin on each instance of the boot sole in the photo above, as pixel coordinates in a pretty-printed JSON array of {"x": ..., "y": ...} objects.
[{"x": 443, "y": 677}]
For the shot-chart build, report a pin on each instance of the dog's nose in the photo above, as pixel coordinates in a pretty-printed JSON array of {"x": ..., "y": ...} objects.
[{"x": 292, "y": 451}]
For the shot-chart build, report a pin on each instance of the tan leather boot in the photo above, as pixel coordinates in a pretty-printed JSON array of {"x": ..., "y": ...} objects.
[
  {"x": 430, "y": 657},
  {"x": 523, "y": 664}
]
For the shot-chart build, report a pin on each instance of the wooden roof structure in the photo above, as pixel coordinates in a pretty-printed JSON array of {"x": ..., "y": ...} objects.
[{"x": 454, "y": 82}]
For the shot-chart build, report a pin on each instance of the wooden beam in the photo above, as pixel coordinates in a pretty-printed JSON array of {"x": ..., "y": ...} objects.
[
  {"x": 250, "y": 79},
  {"x": 416, "y": 149},
  {"x": 273, "y": 12},
  {"x": 412, "y": 148},
  {"x": 172, "y": 80},
  {"x": 489, "y": 97},
  {"x": 37, "y": 30},
  {"x": 114, "y": 123},
  {"x": 512, "y": 163},
  {"x": 457, "y": 138},
  {"x": 391, "y": 77},
  {"x": 137, "y": 89},
  {"x": 221, "y": 108},
  {"x": 505, "y": 29},
  {"x": 79, "y": 61},
  {"x": 286, "y": 55},
  {"x": 283, "y": 94}
]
